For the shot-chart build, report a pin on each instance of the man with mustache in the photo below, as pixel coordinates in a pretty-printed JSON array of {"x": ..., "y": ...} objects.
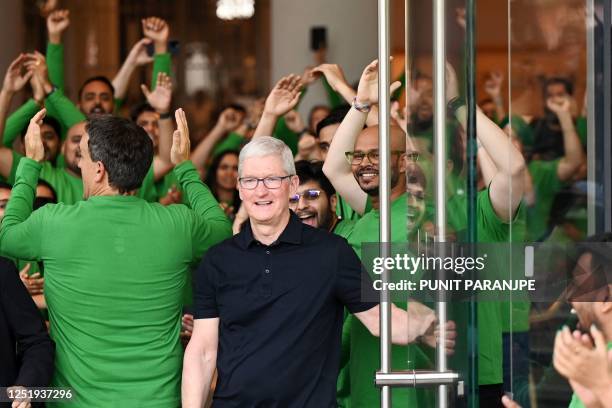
[
  {"x": 352, "y": 166},
  {"x": 98, "y": 95},
  {"x": 315, "y": 200}
]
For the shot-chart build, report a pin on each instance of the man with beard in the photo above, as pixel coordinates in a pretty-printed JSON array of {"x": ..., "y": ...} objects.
[
  {"x": 98, "y": 95},
  {"x": 359, "y": 177},
  {"x": 315, "y": 201}
]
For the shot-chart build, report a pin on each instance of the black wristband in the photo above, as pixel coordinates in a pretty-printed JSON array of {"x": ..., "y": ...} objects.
[
  {"x": 165, "y": 115},
  {"x": 454, "y": 104}
]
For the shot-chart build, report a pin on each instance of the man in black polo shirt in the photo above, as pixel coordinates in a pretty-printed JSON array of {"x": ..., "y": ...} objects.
[{"x": 269, "y": 301}]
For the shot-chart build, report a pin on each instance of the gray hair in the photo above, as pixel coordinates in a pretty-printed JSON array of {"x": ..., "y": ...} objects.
[{"x": 267, "y": 146}]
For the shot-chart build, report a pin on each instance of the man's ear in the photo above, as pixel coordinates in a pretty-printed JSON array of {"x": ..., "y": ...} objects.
[
  {"x": 333, "y": 201},
  {"x": 100, "y": 172},
  {"x": 294, "y": 184}
]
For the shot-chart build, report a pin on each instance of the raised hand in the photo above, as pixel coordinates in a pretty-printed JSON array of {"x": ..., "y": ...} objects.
[
  {"x": 560, "y": 105},
  {"x": 493, "y": 84},
  {"x": 180, "y": 139},
  {"x": 161, "y": 97},
  {"x": 400, "y": 116},
  {"x": 16, "y": 77},
  {"x": 333, "y": 74},
  {"x": 367, "y": 91},
  {"x": 138, "y": 54},
  {"x": 284, "y": 96},
  {"x": 38, "y": 90},
  {"x": 57, "y": 22},
  {"x": 229, "y": 120},
  {"x": 157, "y": 30},
  {"x": 308, "y": 76},
  {"x": 34, "y": 147}
]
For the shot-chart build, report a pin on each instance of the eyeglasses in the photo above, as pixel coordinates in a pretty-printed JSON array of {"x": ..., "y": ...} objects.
[
  {"x": 355, "y": 158},
  {"x": 272, "y": 183},
  {"x": 309, "y": 195}
]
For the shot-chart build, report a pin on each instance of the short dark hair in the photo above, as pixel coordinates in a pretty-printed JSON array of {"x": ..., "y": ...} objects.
[
  {"x": 569, "y": 86},
  {"x": 600, "y": 247},
  {"x": 5, "y": 186},
  {"x": 138, "y": 109},
  {"x": 40, "y": 201},
  {"x": 99, "y": 78},
  {"x": 123, "y": 147},
  {"x": 336, "y": 116},
  {"x": 47, "y": 120},
  {"x": 313, "y": 171},
  {"x": 238, "y": 107}
]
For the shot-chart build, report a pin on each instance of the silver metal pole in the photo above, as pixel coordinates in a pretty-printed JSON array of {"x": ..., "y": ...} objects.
[
  {"x": 439, "y": 51},
  {"x": 385, "y": 188}
]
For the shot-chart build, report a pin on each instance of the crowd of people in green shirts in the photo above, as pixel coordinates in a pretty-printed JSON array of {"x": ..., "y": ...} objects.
[{"x": 531, "y": 182}]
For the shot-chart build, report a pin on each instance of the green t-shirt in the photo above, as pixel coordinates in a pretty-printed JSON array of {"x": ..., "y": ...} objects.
[
  {"x": 546, "y": 185},
  {"x": 489, "y": 229},
  {"x": 364, "y": 348},
  {"x": 115, "y": 267},
  {"x": 345, "y": 212}
]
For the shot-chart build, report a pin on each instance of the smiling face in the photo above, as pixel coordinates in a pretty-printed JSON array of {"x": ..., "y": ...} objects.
[
  {"x": 96, "y": 99},
  {"x": 227, "y": 172},
  {"x": 149, "y": 121},
  {"x": 366, "y": 172},
  {"x": 314, "y": 207},
  {"x": 265, "y": 205}
]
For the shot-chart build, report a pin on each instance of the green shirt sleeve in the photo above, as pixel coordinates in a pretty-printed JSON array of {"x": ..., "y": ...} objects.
[
  {"x": 67, "y": 112},
  {"x": 17, "y": 121},
  {"x": 161, "y": 63},
  {"x": 209, "y": 224},
  {"x": 55, "y": 63},
  {"x": 21, "y": 232}
]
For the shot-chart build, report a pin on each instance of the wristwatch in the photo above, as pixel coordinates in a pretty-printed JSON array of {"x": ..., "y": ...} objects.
[{"x": 361, "y": 107}]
